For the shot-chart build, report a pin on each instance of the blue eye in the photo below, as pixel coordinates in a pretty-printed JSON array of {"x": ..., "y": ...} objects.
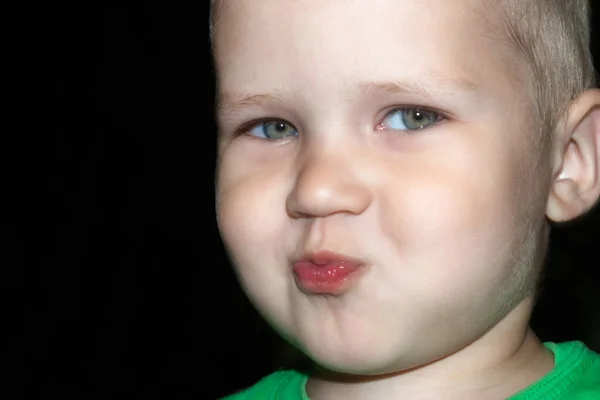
[
  {"x": 410, "y": 119},
  {"x": 273, "y": 129}
]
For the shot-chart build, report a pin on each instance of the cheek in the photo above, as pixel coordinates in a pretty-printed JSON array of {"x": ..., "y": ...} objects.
[
  {"x": 250, "y": 215},
  {"x": 243, "y": 222},
  {"x": 243, "y": 178},
  {"x": 460, "y": 219},
  {"x": 246, "y": 232},
  {"x": 255, "y": 231}
]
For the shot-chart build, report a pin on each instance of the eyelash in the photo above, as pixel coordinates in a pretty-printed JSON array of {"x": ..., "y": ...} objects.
[
  {"x": 440, "y": 117},
  {"x": 247, "y": 127}
]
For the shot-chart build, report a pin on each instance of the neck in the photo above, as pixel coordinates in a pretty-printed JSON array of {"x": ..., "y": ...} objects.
[{"x": 504, "y": 361}]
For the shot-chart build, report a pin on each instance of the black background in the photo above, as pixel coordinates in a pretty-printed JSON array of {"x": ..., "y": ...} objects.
[{"x": 132, "y": 291}]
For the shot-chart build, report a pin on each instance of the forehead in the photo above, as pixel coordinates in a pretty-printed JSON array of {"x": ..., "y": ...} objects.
[{"x": 321, "y": 44}]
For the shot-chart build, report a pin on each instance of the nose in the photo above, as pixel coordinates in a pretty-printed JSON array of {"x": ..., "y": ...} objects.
[{"x": 325, "y": 186}]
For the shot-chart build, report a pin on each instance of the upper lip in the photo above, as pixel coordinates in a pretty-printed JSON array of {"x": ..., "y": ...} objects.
[{"x": 325, "y": 257}]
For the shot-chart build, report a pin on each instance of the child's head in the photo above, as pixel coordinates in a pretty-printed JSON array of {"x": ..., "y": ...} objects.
[{"x": 404, "y": 137}]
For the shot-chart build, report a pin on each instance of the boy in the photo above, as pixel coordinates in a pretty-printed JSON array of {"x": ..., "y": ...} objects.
[{"x": 387, "y": 171}]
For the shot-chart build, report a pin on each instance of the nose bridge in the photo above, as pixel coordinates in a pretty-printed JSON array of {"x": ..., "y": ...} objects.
[{"x": 328, "y": 183}]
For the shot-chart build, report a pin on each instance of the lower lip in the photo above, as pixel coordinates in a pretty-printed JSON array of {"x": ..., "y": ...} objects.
[{"x": 331, "y": 278}]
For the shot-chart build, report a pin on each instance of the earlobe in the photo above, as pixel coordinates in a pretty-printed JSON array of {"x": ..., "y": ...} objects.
[{"x": 576, "y": 187}]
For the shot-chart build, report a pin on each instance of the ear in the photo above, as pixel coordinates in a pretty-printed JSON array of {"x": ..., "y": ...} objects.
[{"x": 576, "y": 160}]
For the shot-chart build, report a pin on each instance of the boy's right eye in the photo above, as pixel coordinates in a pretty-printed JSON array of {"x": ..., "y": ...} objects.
[{"x": 272, "y": 129}]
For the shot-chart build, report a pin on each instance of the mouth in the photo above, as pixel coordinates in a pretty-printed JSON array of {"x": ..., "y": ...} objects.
[{"x": 326, "y": 273}]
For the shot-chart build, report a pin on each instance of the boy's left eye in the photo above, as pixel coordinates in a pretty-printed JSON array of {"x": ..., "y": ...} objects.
[{"x": 410, "y": 119}]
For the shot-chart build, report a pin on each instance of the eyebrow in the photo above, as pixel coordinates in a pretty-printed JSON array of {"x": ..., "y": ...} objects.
[
  {"x": 422, "y": 86},
  {"x": 229, "y": 103}
]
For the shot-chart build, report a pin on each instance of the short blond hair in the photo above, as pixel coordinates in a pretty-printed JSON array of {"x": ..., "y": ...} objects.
[{"x": 553, "y": 38}]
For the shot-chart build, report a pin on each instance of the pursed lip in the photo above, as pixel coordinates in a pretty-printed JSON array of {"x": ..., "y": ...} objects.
[
  {"x": 326, "y": 272},
  {"x": 325, "y": 257}
]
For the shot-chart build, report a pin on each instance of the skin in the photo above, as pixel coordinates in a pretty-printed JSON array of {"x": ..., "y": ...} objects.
[{"x": 450, "y": 220}]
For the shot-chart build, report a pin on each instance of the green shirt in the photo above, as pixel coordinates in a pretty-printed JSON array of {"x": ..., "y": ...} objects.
[{"x": 576, "y": 376}]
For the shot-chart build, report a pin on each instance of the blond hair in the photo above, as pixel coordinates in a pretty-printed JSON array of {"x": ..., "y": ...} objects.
[{"x": 553, "y": 38}]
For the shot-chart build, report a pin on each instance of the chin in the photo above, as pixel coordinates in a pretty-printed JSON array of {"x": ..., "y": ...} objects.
[
  {"x": 362, "y": 359},
  {"x": 368, "y": 366}
]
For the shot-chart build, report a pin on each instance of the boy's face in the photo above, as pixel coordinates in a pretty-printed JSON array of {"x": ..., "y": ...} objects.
[{"x": 447, "y": 219}]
